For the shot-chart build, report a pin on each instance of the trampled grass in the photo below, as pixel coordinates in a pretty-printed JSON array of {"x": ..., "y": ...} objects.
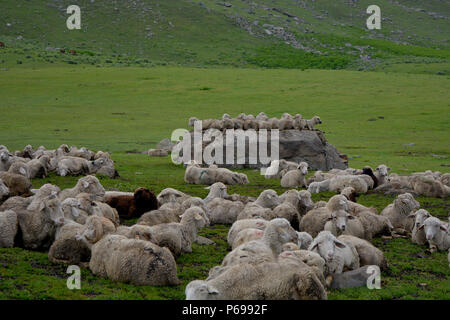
[{"x": 371, "y": 117}]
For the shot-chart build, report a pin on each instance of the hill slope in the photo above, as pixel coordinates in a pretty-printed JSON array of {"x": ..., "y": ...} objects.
[{"x": 283, "y": 33}]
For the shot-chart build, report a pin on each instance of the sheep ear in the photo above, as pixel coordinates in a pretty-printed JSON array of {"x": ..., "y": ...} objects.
[
  {"x": 411, "y": 215},
  {"x": 41, "y": 206},
  {"x": 208, "y": 188},
  {"x": 388, "y": 169},
  {"x": 443, "y": 228},
  {"x": 313, "y": 246},
  {"x": 198, "y": 217},
  {"x": 22, "y": 171},
  {"x": 85, "y": 184},
  {"x": 421, "y": 227},
  {"x": 340, "y": 244}
]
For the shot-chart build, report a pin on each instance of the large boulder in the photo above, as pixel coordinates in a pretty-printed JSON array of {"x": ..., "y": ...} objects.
[{"x": 294, "y": 145}]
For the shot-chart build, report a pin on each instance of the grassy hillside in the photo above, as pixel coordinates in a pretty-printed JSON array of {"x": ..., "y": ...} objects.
[{"x": 325, "y": 34}]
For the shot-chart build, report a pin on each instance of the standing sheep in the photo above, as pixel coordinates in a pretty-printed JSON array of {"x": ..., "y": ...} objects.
[{"x": 295, "y": 178}]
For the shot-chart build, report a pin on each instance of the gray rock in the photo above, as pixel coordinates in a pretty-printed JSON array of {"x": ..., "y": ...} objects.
[
  {"x": 204, "y": 241},
  {"x": 165, "y": 145},
  {"x": 351, "y": 279}
]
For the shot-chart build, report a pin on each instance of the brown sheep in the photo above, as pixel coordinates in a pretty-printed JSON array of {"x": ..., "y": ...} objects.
[{"x": 129, "y": 207}]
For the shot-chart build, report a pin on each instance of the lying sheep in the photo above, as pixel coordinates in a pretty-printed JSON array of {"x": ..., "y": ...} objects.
[
  {"x": 288, "y": 209},
  {"x": 240, "y": 225},
  {"x": 262, "y": 207},
  {"x": 39, "y": 167},
  {"x": 337, "y": 254},
  {"x": 436, "y": 234},
  {"x": 272, "y": 281},
  {"x": 277, "y": 166},
  {"x": 98, "y": 208},
  {"x": 133, "y": 261},
  {"x": 103, "y": 166},
  {"x": 157, "y": 153},
  {"x": 88, "y": 184},
  {"x": 101, "y": 154},
  {"x": 8, "y": 228},
  {"x": 295, "y": 178},
  {"x": 341, "y": 222},
  {"x": 367, "y": 252},
  {"x": 72, "y": 209},
  {"x": 418, "y": 236},
  {"x": 5, "y": 160},
  {"x": 68, "y": 165},
  {"x": 167, "y": 213},
  {"x": 20, "y": 168},
  {"x": 171, "y": 195},
  {"x": 369, "y": 177},
  {"x": 216, "y": 190},
  {"x": 304, "y": 240},
  {"x": 247, "y": 235},
  {"x": 178, "y": 237},
  {"x": 382, "y": 172},
  {"x": 4, "y": 191},
  {"x": 277, "y": 233},
  {"x": 340, "y": 182},
  {"x": 197, "y": 175},
  {"x": 314, "y": 221},
  {"x": 319, "y": 186},
  {"x": 302, "y": 257},
  {"x": 221, "y": 211},
  {"x": 17, "y": 184},
  {"x": 129, "y": 207},
  {"x": 38, "y": 227},
  {"x": 430, "y": 187},
  {"x": 398, "y": 211},
  {"x": 207, "y": 124}
]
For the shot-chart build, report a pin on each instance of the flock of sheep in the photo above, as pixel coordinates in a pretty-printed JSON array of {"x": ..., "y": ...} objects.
[
  {"x": 63, "y": 161},
  {"x": 260, "y": 122},
  {"x": 283, "y": 246}
]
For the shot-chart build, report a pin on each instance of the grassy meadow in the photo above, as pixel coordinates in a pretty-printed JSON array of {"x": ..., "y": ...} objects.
[{"x": 399, "y": 119}]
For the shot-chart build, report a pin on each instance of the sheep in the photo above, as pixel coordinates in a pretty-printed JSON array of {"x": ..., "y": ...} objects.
[
  {"x": 262, "y": 117},
  {"x": 41, "y": 194},
  {"x": 167, "y": 213},
  {"x": 319, "y": 186},
  {"x": 246, "y": 235},
  {"x": 418, "y": 236},
  {"x": 71, "y": 209},
  {"x": 429, "y": 187},
  {"x": 222, "y": 211},
  {"x": 88, "y": 184},
  {"x": 277, "y": 166},
  {"x": 314, "y": 221},
  {"x": 39, "y": 167},
  {"x": 178, "y": 237},
  {"x": 288, "y": 209},
  {"x": 369, "y": 177},
  {"x": 101, "y": 154},
  {"x": 4, "y": 191},
  {"x": 299, "y": 122},
  {"x": 262, "y": 207},
  {"x": 20, "y": 168},
  {"x": 436, "y": 234},
  {"x": 157, "y": 153},
  {"x": 275, "y": 123},
  {"x": 311, "y": 123},
  {"x": 5, "y": 160},
  {"x": 17, "y": 184},
  {"x": 81, "y": 153},
  {"x": 268, "y": 199},
  {"x": 8, "y": 228},
  {"x": 103, "y": 166},
  {"x": 272, "y": 281},
  {"x": 73, "y": 241},
  {"x": 302, "y": 257},
  {"x": 69, "y": 165},
  {"x": 16, "y": 203},
  {"x": 341, "y": 222},
  {"x": 337, "y": 254},
  {"x": 398, "y": 211},
  {"x": 304, "y": 240},
  {"x": 207, "y": 124},
  {"x": 445, "y": 179},
  {"x": 129, "y": 207},
  {"x": 98, "y": 208},
  {"x": 133, "y": 261},
  {"x": 171, "y": 195},
  {"x": 295, "y": 178},
  {"x": 277, "y": 233},
  {"x": 381, "y": 173},
  {"x": 342, "y": 181},
  {"x": 216, "y": 190},
  {"x": 240, "y": 225},
  {"x": 286, "y": 122},
  {"x": 38, "y": 227},
  {"x": 194, "y": 174},
  {"x": 367, "y": 252}
]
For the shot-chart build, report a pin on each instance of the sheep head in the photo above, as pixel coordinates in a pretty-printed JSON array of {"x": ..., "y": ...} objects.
[
  {"x": 201, "y": 290},
  {"x": 325, "y": 245},
  {"x": 340, "y": 219}
]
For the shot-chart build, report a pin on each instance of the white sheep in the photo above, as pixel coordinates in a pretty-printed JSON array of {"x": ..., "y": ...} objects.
[
  {"x": 246, "y": 235},
  {"x": 133, "y": 261},
  {"x": 341, "y": 222},
  {"x": 262, "y": 207},
  {"x": 222, "y": 211},
  {"x": 367, "y": 252},
  {"x": 295, "y": 178},
  {"x": 216, "y": 190},
  {"x": 436, "y": 234},
  {"x": 171, "y": 195},
  {"x": 381, "y": 173},
  {"x": 304, "y": 240},
  {"x": 195, "y": 174},
  {"x": 337, "y": 254},
  {"x": 240, "y": 225},
  {"x": 5, "y": 160},
  {"x": 4, "y": 191},
  {"x": 319, "y": 186},
  {"x": 8, "y": 228},
  {"x": 88, "y": 184},
  {"x": 398, "y": 211},
  {"x": 418, "y": 236},
  {"x": 311, "y": 123}
]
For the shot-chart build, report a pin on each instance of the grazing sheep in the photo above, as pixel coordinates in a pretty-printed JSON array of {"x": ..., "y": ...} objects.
[
  {"x": 17, "y": 184},
  {"x": 88, "y": 184},
  {"x": 311, "y": 123},
  {"x": 314, "y": 221},
  {"x": 272, "y": 281},
  {"x": 398, "y": 211},
  {"x": 367, "y": 252},
  {"x": 38, "y": 227},
  {"x": 128, "y": 207},
  {"x": 133, "y": 261},
  {"x": 4, "y": 191},
  {"x": 247, "y": 235},
  {"x": 178, "y": 237},
  {"x": 295, "y": 178},
  {"x": 240, "y": 225},
  {"x": 336, "y": 254},
  {"x": 8, "y": 228},
  {"x": 436, "y": 234},
  {"x": 418, "y": 236}
]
